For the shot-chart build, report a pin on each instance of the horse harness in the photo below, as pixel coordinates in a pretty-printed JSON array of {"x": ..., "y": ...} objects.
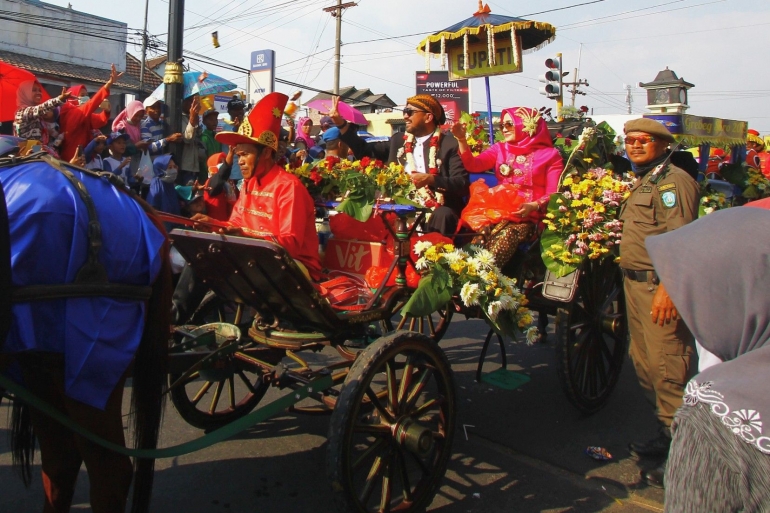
[{"x": 91, "y": 279}]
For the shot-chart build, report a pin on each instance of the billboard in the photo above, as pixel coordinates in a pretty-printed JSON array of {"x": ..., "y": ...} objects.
[
  {"x": 453, "y": 95},
  {"x": 262, "y": 76}
]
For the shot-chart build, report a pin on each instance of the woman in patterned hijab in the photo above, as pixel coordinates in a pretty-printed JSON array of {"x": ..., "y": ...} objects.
[{"x": 720, "y": 452}]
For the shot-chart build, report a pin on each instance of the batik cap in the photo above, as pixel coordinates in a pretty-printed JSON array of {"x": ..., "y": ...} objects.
[{"x": 263, "y": 124}]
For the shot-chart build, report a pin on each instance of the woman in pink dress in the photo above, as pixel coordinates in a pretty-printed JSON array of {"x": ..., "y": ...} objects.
[{"x": 527, "y": 159}]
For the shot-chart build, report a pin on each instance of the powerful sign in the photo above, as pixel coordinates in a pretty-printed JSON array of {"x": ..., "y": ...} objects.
[
  {"x": 452, "y": 94},
  {"x": 478, "y": 60},
  {"x": 262, "y": 76}
]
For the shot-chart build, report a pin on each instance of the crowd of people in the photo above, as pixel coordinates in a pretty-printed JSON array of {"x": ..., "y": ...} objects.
[{"x": 238, "y": 177}]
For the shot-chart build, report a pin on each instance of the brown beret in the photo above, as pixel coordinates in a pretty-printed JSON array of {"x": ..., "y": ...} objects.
[{"x": 648, "y": 126}]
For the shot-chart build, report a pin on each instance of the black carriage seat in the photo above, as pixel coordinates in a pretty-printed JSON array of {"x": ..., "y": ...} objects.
[{"x": 259, "y": 274}]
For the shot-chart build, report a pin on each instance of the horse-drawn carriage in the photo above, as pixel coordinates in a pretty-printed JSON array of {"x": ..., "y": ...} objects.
[{"x": 393, "y": 402}]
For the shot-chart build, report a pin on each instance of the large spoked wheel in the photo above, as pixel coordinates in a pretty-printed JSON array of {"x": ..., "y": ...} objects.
[
  {"x": 433, "y": 326},
  {"x": 224, "y": 388},
  {"x": 390, "y": 436},
  {"x": 591, "y": 335}
]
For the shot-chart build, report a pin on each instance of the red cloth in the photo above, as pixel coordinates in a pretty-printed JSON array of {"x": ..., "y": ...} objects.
[
  {"x": 216, "y": 206},
  {"x": 277, "y": 206},
  {"x": 76, "y": 123}
]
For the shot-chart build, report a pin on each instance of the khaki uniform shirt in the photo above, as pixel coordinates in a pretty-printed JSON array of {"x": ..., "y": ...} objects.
[{"x": 655, "y": 208}]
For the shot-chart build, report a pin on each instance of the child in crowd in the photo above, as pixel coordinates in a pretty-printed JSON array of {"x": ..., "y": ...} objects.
[
  {"x": 115, "y": 163},
  {"x": 210, "y": 120},
  {"x": 162, "y": 195},
  {"x": 52, "y": 134},
  {"x": 152, "y": 127},
  {"x": 93, "y": 151}
]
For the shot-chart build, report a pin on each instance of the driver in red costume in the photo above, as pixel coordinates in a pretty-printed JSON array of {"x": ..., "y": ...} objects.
[{"x": 273, "y": 204}]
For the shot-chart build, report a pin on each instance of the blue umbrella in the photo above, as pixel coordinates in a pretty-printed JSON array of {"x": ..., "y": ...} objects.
[{"x": 193, "y": 84}]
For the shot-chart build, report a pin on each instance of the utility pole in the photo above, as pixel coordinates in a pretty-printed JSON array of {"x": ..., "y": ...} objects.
[
  {"x": 144, "y": 46},
  {"x": 172, "y": 77},
  {"x": 336, "y": 11},
  {"x": 629, "y": 98},
  {"x": 577, "y": 83}
]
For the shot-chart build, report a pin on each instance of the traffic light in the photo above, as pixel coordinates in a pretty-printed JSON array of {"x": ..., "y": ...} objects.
[{"x": 552, "y": 78}]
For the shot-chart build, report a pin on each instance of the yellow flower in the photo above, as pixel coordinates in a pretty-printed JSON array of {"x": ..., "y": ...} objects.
[{"x": 382, "y": 178}]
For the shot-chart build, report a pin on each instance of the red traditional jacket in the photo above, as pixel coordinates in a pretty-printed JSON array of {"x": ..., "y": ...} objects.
[{"x": 276, "y": 206}]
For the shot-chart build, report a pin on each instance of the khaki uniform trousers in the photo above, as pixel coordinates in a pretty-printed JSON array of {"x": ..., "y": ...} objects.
[{"x": 664, "y": 357}]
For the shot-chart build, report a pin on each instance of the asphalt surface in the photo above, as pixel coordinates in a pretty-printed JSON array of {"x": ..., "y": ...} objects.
[{"x": 524, "y": 450}]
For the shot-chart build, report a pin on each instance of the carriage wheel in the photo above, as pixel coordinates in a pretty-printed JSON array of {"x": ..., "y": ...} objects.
[
  {"x": 433, "y": 326},
  {"x": 390, "y": 436},
  {"x": 226, "y": 389},
  {"x": 591, "y": 334}
]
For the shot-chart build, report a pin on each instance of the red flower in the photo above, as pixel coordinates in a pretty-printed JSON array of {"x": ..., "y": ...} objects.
[
  {"x": 559, "y": 136},
  {"x": 477, "y": 131},
  {"x": 365, "y": 161},
  {"x": 378, "y": 163},
  {"x": 476, "y": 115},
  {"x": 332, "y": 161},
  {"x": 584, "y": 108},
  {"x": 315, "y": 177},
  {"x": 568, "y": 141}
]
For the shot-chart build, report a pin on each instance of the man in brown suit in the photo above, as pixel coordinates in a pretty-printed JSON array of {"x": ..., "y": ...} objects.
[{"x": 663, "y": 198}]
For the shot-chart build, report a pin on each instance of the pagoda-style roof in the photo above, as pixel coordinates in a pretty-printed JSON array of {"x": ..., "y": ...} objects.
[{"x": 666, "y": 78}]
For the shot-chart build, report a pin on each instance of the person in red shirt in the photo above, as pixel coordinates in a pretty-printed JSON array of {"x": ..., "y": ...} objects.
[
  {"x": 754, "y": 145},
  {"x": 77, "y": 121},
  {"x": 273, "y": 204}
]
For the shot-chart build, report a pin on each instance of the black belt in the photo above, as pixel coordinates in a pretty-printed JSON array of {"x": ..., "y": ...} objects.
[{"x": 642, "y": 276}]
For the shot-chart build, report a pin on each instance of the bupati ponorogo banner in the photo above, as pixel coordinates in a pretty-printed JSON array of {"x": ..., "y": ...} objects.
[
  {"x": 453, "y": 95},
  {"x": 478, "y": 60},
  {"x": 696, "y": 130}
]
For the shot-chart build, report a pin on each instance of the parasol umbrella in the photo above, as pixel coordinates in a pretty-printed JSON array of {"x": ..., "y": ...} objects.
[
  {"x": 198, "y": 82},
  {"x": 10, "y": 79},
  {"x": 346, "y": 111},
  {"x": 489, "y": 32}
]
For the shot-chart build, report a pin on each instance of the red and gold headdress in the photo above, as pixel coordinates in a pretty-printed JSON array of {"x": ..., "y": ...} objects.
[{"x": 263, "y": 124}]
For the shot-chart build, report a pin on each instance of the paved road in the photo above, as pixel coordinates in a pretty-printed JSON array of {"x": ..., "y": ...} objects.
[{"x": 524, "y": 452}]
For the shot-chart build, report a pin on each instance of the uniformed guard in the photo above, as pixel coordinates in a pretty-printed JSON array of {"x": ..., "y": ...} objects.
[{"x": 663, "y": 198}]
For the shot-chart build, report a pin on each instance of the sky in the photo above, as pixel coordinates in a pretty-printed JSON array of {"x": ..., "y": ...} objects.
[{"x": 720, "y": 46}]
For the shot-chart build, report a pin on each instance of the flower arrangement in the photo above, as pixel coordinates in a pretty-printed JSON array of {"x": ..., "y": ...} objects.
[
  {"x": 357, "y": 185},
  {"x": 582, "y": 219},
  {"x": 752, "y": 182},
  {"x": 478, "y": 134},
  {"x": 711, "y": 199},
  {"x": 472, "y": 275}
]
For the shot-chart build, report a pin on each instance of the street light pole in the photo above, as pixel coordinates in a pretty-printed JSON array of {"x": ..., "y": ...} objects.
[
  {"x": 144, "y": 46},
  {"x": 172, "y": 76}
]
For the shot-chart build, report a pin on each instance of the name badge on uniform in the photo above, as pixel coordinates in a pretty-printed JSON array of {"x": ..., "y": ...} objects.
[
  {"x": 669, "y": 199},
  {"x": 645, "y": 188}
]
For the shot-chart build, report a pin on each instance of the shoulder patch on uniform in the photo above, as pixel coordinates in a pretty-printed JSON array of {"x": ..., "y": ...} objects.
[
  {"x": 667, "y": 186},
  {"x": 668, "y": 198}
]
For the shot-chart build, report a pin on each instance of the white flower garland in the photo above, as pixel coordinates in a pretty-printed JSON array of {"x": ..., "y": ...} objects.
[
  {"x": 490, "y": 46},
  {"x": 427, "y": 55},
  {"x": 443, "y": 52},
  {"x": 515, "y": 47},
  {"x": 465, "y": 52},
  {"x": 411, "y": 165}
]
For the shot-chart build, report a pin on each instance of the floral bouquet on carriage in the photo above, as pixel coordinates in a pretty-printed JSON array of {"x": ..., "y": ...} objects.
[
  {"x": 478, "y": 134},
  {"x": 358, "y": 185},
  {"x": 471, "y": 275},
  {"x": 582, "y": 220}
]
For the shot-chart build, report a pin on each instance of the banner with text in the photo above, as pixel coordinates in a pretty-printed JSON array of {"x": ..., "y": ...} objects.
[
  {"x": 702, "y": 128},
  {"x": 262, "y": 76},
  {"x": 453, "y": 95},
  {"x": 478, "y": 60}
]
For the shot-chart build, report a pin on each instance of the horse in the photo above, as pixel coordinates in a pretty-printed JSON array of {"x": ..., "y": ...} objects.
[{"x": 85, "y": 296}]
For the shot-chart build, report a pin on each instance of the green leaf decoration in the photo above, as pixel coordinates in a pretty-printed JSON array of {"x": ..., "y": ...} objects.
[
  {"x": 356, "y": 207},
  {"x": 427, "y": 298},
  {"x": 559, "y": 269},
  {"x": 734, "y": 173}
]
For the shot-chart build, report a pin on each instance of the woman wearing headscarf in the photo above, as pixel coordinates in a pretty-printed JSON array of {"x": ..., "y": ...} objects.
[
  {"x": 303, "y": 132},
  {"x": 129, "y": 121},
  {"x": 77, "y": 120},
  {"x": 528, "y": 159},
  {"x": 720, "y": 451},
  {"x": 30, "y": 110}
]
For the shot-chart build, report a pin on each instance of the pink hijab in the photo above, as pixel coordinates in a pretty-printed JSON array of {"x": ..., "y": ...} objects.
[
  {"x": 527, "y": 142},
  {"x": 302, "y": 135},
  {"x": 24, "y": 97},
  {"x": 123, "y": 121}
]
